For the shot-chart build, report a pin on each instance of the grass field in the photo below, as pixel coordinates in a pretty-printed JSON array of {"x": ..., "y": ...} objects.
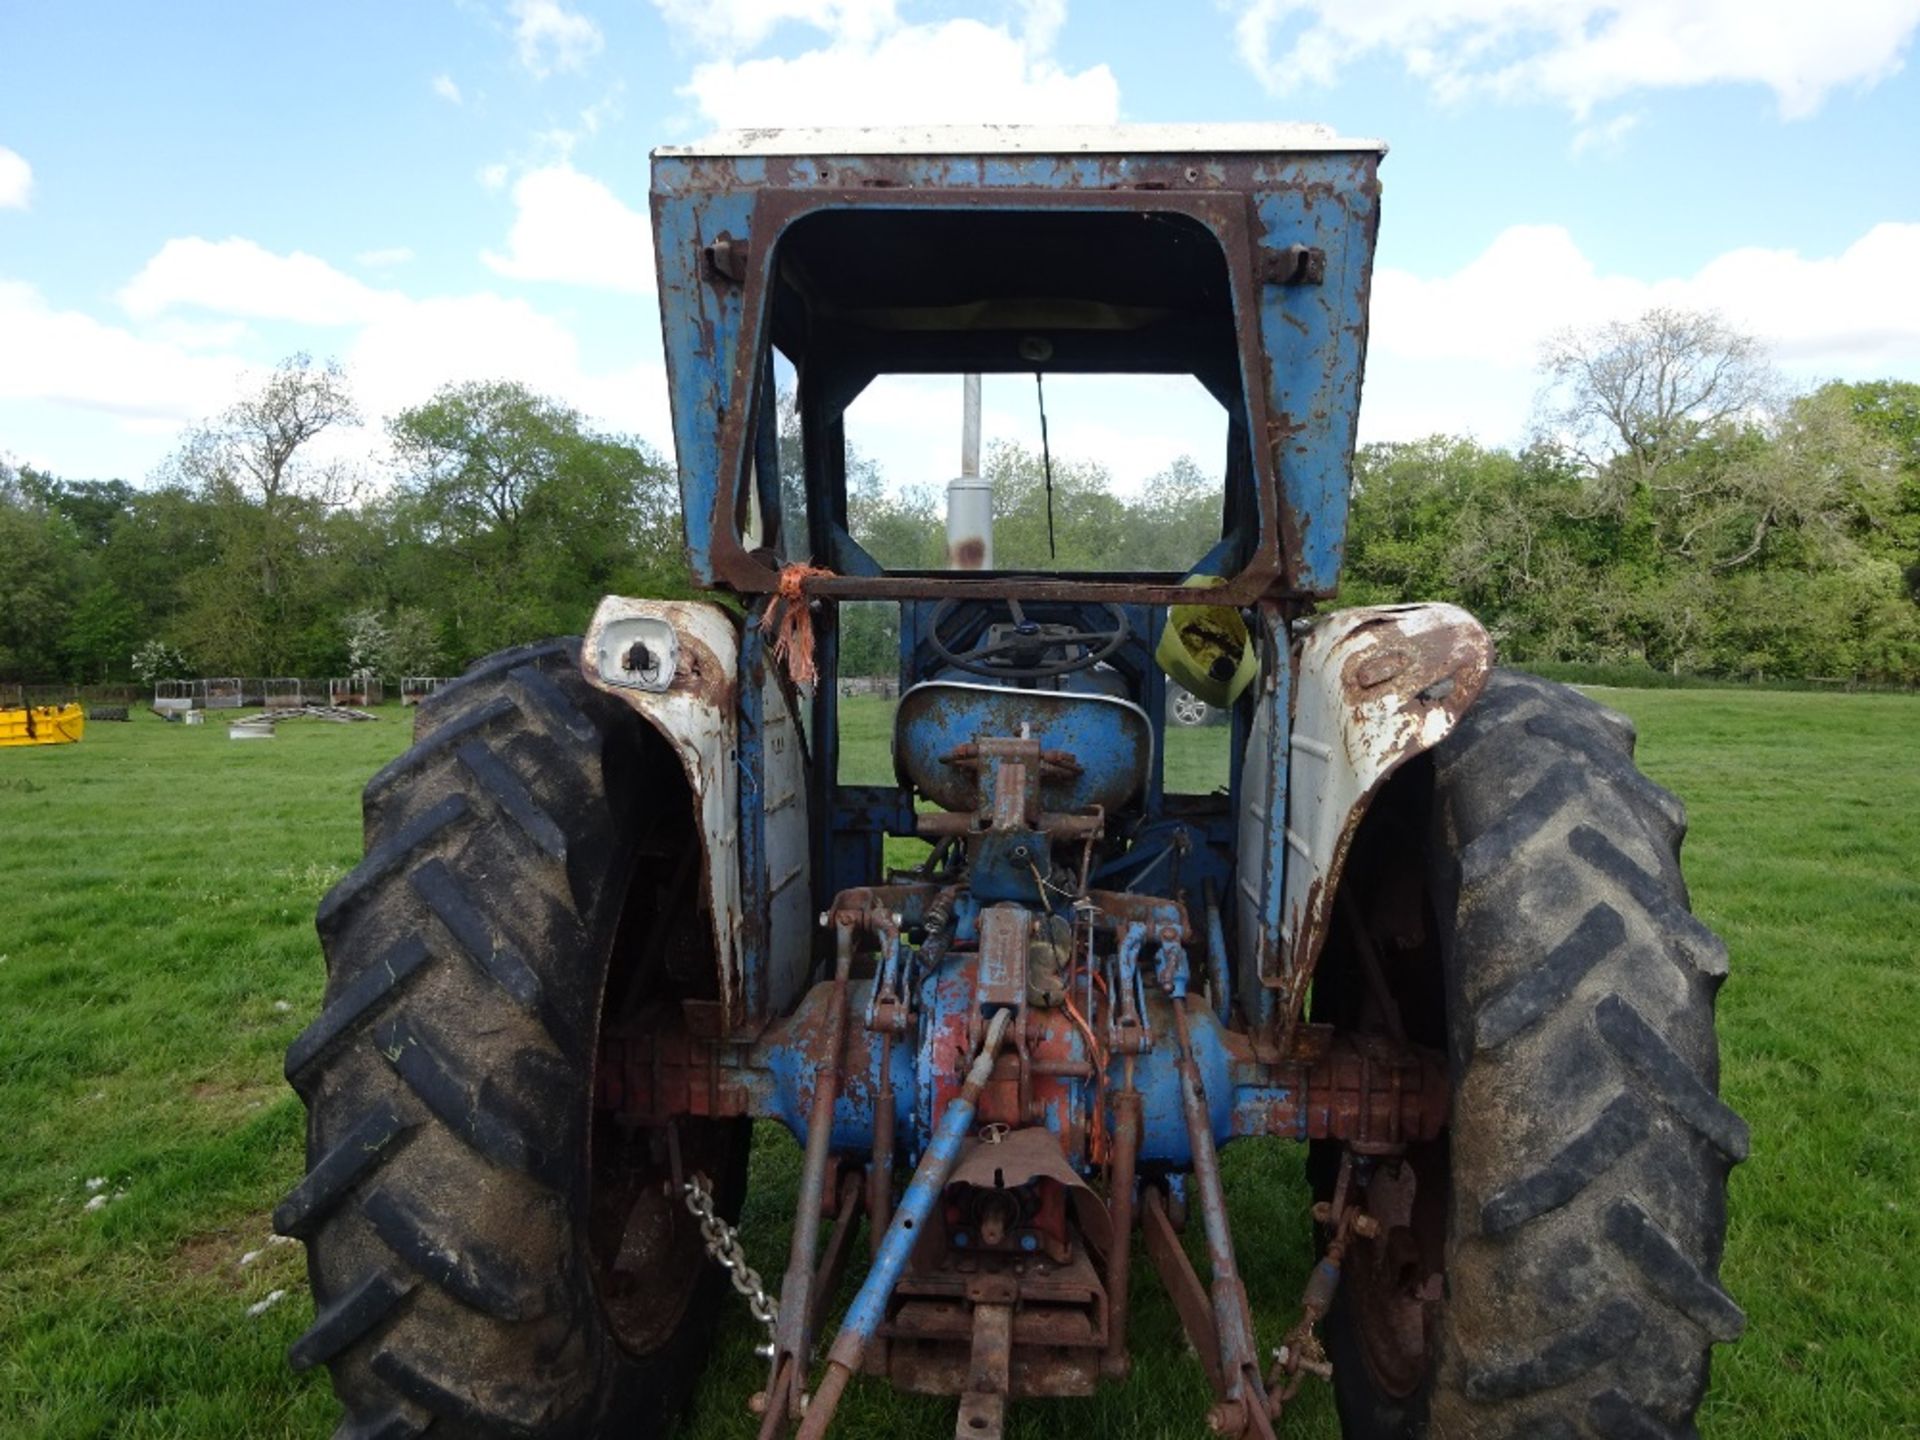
[{"x": 156, "y": 954}]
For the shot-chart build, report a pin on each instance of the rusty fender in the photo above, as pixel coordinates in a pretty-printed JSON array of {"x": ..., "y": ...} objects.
[
  {"x": 1375, "y": 686},
  {"x": 677, "y": 663}
]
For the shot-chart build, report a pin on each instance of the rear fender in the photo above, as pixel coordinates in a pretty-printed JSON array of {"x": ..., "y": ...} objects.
[
  {"x": 1373, "y": 688},
  {"x": 677, "y": 663}
]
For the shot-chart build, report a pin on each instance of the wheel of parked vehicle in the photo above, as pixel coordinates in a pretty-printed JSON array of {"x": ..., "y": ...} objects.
[
  {"x": 1550, "y": 1268},
  {"x": 485, "y": 1257},
  {"x": 1188, "y": 708}
]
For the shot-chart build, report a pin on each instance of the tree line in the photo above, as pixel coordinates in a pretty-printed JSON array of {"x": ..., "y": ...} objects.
[
  {"x": 258, "y": 550},
  {"x": 1676, "y": 507}
]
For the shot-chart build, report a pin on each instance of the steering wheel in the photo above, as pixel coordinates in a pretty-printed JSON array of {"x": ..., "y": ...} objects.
[{"x": 1023, "y": 654}]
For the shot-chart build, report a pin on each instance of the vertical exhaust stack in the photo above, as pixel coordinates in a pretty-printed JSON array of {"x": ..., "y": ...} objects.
[{"x": 969, "y": 498}]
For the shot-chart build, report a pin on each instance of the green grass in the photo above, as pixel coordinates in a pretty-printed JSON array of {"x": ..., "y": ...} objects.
[
  {"x": 1631, "y": 675},
  {"x": 156, "y": 891}
]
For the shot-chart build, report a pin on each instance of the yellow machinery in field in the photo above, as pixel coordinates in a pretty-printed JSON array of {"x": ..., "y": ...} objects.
[{"x": 41, "y": 724}]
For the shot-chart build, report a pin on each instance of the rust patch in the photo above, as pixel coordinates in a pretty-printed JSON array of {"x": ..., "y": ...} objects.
[
  {"x": 702, "y": 676},
  {"x": 969, "y": 554},
  {"x": 1407, "y": 681}
]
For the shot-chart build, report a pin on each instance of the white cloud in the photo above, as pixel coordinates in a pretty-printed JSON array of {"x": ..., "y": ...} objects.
[
  {"x": 1607, "y": 135},
  {"x": 1584, "y": 52},
  {"x": 224, "y": 336},
  {"x": 446, "y": 89},
  {"x": 239, "y": 278},
  {"x": 570, "y": 228},
  {"x": 873, "y": 69},
  {"x": 1458, "y": 351},
  {"x": 493, "y": 177},
  {"x": 206, "y": 315},
  {"x": 1534, "y": 279},
  {"x": 71, "y": 359},
  {"x": 550, "y": 37},
  {"x": 16, "y": 180},
  {"x": 385, "y": 259},
  {"x": 419, "y": 345},
  {"x": 399, "y": 348},
  {"x": 605, "y": 110},
  {"x": 1041, "y": 23},
  {"x": 729, "y": 26}
]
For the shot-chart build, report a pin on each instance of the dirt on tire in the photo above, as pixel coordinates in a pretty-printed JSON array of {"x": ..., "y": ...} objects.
[
  {"x": 1589, "y": 1149},
  {"x": 447, "y": 1079}
]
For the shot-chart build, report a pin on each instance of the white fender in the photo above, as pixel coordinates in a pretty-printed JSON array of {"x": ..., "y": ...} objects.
[
  {"x": 682, "y": 680},
  {"x": 1373, "y": 687}
]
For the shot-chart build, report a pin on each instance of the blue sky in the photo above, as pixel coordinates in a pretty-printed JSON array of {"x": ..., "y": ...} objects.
[{"x": 448, "y": 189}]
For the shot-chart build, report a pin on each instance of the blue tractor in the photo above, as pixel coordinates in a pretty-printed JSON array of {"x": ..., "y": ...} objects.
[{"x": 620, "y": 901}]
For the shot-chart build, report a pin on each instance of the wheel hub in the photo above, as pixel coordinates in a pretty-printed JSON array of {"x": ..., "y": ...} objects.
[{"x": 1395, "y": 1283}]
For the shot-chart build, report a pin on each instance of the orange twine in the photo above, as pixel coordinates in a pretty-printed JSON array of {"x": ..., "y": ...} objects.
[{"x": 791, "y": 621}]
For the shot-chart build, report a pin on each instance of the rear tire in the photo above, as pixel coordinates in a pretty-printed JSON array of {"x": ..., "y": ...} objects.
[
  {"x": 1584, "y": 1176},
  {"x": 461, "y": 1205}
]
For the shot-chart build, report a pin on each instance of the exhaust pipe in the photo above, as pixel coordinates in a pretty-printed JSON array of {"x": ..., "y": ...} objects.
[{"x": 969, "y": 498}]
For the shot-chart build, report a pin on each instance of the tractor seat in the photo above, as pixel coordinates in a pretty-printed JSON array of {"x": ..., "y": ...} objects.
[{"x": 1110, "y": 740}]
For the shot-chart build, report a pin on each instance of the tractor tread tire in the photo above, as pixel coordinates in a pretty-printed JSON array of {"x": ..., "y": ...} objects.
[
  {"x": 446, "y": 1077},
  {"x": 1589, "y": 1147}
]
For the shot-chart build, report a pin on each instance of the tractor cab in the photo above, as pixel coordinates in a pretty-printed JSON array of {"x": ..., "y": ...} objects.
[{"x": 806, "y": 274}]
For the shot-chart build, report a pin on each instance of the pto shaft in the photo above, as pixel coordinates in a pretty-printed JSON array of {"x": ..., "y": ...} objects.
[{"x": 869, "y": 1307}]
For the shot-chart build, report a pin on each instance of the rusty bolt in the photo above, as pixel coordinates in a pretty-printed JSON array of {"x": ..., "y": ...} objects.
[
  {"x": 727, "y": 258},
  {"x": 1229, "y": 1417}
]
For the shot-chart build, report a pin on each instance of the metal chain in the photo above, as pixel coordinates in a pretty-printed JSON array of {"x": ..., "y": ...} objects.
[{"x": 723, "y": 1244}]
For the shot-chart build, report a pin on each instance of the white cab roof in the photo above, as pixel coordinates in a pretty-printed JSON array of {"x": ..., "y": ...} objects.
[{"x": 1029, "y": 139}]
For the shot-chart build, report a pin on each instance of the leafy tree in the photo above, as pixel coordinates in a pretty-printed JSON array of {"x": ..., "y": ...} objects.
[
  {"x": 99, "y": 631},
  {"x": 162, "y": 536},
  {"x": 1177, "y": 517},
  {"x": 263, "y": 444},
  {"x": 1644, "y": 391},
  {"x": 517, "y": 516},
  {"x": 413, "y": 643},
  {"x": 157, "y": 660},
  {"x": 404, "y": 643},
  {"x": 267, "y": 500},
  {"x": 1890, "y": 410},
  {"x": 91, "y": 507},
  {"x": 40, "y": 578},
  {"x": 367, "y": 639},
  {"x": 1812, "y": 483}
]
